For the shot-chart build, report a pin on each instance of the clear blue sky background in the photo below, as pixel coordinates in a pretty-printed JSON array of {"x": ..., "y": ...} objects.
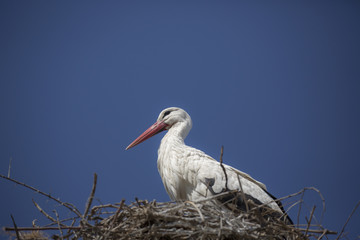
[{"x": 275, "y": 82}]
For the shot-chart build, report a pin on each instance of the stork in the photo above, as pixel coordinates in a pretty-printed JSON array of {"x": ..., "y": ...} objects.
[{"x": 189, "y": 174}]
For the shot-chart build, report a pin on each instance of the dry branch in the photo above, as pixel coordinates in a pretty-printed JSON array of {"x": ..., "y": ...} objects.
[
  {"x": 91, "y": 197},
  {"x": 43, "y": 212},
  {"x": 15, "y": 227},
  {"x": 69, "y": 206},
  {"x": 347, "y": 221},
  {"x": 223, "y": 168}
]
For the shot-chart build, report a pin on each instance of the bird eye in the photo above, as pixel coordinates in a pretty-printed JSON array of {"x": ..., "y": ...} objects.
[{"x": 166, "y": 113}]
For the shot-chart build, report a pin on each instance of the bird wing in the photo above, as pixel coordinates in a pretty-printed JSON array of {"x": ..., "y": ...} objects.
[
  {"x": 196, "y": 154},
  {"x": 248, "y": 177},
  {"x": 208, "y": 178}
]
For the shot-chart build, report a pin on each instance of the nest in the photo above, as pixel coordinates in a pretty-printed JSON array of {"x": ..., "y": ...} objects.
[
  {"x": 187, "y": 220},
  {"x": 205, "y": 219}
]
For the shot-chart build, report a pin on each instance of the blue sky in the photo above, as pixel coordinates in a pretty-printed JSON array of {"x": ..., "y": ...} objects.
[{"x": 276, "y": 83}]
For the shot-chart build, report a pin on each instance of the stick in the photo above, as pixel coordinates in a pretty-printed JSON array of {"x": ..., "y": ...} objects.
[
  {"x": 9, "y": 167},
  {"x": 15, "y": 227},
  {"x": 223, "y": 168},
  {"x": 67, "y": 205},
  {"x": 243, "y": 194},
  {"x": 322, "y": 235},
  {"x": 289, "y": 208},
  {"x": 197, "y": 209},
  {"x": 59, "y": 227},
  {"x": 39, "y": 228},
  {"x": 69, "y": 233},
  {"x": 117, "y": 212},
  {"x": 43, "y": 212},
  {"x": 299, "y": 211},
  {"x": 137, "y": 201},
  {"x": 343, "y": 228},
  {"x": 311, "y": 215},
  {"x": 91, "y": 197},
  {"x": 317, "y": 231},
  {"x": 302, "y": 191}
]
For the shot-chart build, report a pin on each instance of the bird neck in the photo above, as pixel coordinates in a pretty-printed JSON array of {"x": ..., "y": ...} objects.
[
  {"x": 170, "y": 153},
  {"x": 179, "y": 130},
  {"x": 175, "y": 136}
]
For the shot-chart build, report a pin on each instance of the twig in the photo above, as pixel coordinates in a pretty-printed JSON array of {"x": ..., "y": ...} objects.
[
  {"x": 61, "y": 221},
  {"x": 216, "y": 196},
  {"x": 197, "y": 209},
  {"x": 67, "y": 205},
  {"x": 309, "y": 222},
  {"x": 117, "y": 212},
  {"x": 352, "y": 212},
  {"x": 59, "y": 226},
  {"x": 289, "y": 208},
  {"x": 43, "y": 212},
  {"x": 69, "y": 233},
  {"x": 220, "y": 228},
  {"x": 91, "y": 197},
  {"x": 300, "y": 205},
  {"x": 39, "y": 228},
  {"x": 302, "y": 191},
  {"x": 221, "y": 154},
  {"x": 33, "y": 223},
  {"x": 243, "y": 194},
  {"x": 223, "y": 168},
  {"x": 323, "y": 234},
  {"x": 137, "y": 201},
  {"x": 9, "y": 167},
  {"x": 317, "y": 231},
  {"x": 15, "y": 227}
]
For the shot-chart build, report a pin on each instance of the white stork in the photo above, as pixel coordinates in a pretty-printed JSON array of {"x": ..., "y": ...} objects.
[{"x": 190, "y": 174}]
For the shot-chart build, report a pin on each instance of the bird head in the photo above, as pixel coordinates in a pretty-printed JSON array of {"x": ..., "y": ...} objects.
[{"x": 168, "y": 118}]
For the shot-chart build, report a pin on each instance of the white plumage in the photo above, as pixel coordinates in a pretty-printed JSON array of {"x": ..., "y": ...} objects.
[{"x": 186, "y": 171}]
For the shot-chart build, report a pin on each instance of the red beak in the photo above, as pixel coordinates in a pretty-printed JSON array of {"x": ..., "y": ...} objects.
[{"x": 157, "y": 127}]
